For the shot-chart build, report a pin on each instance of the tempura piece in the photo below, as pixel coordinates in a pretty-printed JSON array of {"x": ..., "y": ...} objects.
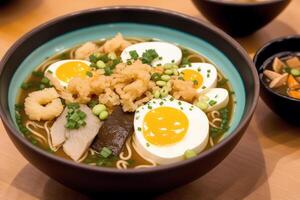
[
  {"x": 43, "y": 105},
  {"x": 184, "y": 90},
  {"x": 85, "y": 51},
  {"x": 118, "y": 43}
]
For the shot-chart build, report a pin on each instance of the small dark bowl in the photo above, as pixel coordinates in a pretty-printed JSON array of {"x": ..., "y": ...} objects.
[
  {"x": 284, "y": 106},
  {"x": 240, "y": 19},
  {"x": 98, "y": 179}
]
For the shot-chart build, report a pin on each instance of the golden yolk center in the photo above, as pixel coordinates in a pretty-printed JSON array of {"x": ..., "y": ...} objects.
[
  {"x": 192, "y": 75},
  {"x": 165, "y": 126},
  {"x": 69, "y": 70}
]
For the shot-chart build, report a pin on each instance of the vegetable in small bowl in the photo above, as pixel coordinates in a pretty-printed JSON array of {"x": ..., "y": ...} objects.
[{"x": 278, "y": 65}]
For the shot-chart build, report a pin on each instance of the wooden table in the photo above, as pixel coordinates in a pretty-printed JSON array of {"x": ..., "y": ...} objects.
[{"x": 264, "y": 165}]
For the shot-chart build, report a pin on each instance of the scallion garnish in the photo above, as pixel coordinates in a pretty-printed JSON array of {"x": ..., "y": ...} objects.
[{"x": 75, "y": 117}]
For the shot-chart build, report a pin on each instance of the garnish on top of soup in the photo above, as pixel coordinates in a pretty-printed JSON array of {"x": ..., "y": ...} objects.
[
  {"x": 125, "y": 103},
  {"x": 283, "y": 76}
]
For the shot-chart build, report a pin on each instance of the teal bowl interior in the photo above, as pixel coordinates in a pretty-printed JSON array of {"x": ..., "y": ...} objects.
[{"x": 97, "y": 32}]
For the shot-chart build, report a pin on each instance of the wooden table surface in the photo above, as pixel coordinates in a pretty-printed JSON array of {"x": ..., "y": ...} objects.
[{"x": 264, "y": 165}]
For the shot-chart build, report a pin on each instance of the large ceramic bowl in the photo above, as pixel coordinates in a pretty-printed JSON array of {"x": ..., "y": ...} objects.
[
  {"x": 286, "y": 107},
  {"x": 240, "y": 19},
  {"x": 93, "y": 24}
]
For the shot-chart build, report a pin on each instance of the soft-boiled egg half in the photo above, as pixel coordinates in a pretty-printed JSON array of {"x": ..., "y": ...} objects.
[
  {"x": 168, "y": 53},
  {"x": 204, "y": 75},
  {"x": 166, "y": 128},
  {"x": 65, "y": 70},
  {"x": 215, "y": 99}
]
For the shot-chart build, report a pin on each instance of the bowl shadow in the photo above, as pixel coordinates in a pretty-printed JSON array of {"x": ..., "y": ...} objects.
[
  {"x": 243, "y": 171},
  {"x": 277, "y": 130}
]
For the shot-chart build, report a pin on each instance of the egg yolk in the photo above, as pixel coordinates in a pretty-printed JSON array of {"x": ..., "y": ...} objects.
[
  {"x": 165, "y": 126},
  {"x": 69, "y": 70},
  {"x": 192, "y": 75}
]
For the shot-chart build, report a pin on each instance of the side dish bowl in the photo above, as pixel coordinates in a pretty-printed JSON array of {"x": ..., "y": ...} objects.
[
  {"x": 78, "y": 27},
  {"x": 284, "y": 106},
  {"x": 240, "y": 19}
]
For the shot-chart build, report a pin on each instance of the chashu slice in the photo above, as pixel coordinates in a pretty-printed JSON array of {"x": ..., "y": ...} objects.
[
  {"x": 79, "y": 140},
  {"x": 57, "y": 130}
]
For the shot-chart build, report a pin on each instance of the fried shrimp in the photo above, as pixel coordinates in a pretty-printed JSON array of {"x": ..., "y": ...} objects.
[
  {"x": 85, "y": 50},
  {"x": 43, "y": 105},
  {"x": 114, "y": 44}
]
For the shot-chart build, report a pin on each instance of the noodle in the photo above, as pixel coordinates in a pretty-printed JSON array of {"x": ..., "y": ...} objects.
[
  {"x": 153, "y": 164},
  {"x": 122, "y": 157},
  {"x": 37, "y": 134},
  {"x": 122, "y": 164},
  {"x": 85, "y": 155},
  {"x": 211, "y": 142},
  {"x": 215, "y": 121},
  {"x": 72, "y": 53},
  {"x": 219, "y": 77},
  {"x": 49, "y": 137}
]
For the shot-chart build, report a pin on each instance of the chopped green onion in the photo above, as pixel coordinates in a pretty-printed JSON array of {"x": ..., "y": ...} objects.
[
  {"x": 26, "y": 86},
  {"x": 38, "y": 74},
  {"x": 189, "y": 154},
  {"x": 134, "y": 55},
  {"x": 212, "y": 102},
  {"x": 202, "y": 105},
  {"x": 105, "y": 152},
  {"x": 148, "y": 56},
  {"x": 45, "y": 80},
  {"x": 89, "y": 74},
  {"x": 295, "y": 72},
  {"x": 155, "y": 77},
  {"x": 100, "y": 64}
]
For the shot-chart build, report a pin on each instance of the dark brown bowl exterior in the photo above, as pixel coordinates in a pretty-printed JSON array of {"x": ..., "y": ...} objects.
[
  {"x": 285, "y": 107},
  {"x": 240, "y": 19},
  {"x": 95, "y": 179}
]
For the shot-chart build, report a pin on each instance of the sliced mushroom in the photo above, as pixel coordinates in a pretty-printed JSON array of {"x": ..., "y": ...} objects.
[
  {"x": 293, "y": 62},
  {"x": 279, "y": 81},
  {"x": 271, "y": 74},
  {"x": 277, "y": 65}
]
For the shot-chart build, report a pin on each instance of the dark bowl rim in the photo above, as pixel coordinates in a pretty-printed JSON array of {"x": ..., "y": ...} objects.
[
  {"x": 257, "y": 54},
  {"x": 228, "y": 3},
  {"x": 243, "y": 122}
]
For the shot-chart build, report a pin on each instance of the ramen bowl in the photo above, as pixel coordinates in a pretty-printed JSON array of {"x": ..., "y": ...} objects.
[
  {"x": 283, "y": 105},
  {"x": 166, "y": 25},
  {"x": 240, "y": 19}
]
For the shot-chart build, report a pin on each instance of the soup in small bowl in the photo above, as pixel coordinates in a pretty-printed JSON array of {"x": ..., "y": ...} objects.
[
  {"x": 278, "y": 66},
  {"x": 103, "y": 105}
]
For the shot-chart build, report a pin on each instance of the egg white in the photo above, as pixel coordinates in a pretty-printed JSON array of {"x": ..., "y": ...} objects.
[
  {"x": 210, "y": 79},
  {"x": 53, "y": 67},
  {"x": 195, "y": 139},
  {"x": 220, "y": 95},
  {"x": 167, "y": 51}
]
